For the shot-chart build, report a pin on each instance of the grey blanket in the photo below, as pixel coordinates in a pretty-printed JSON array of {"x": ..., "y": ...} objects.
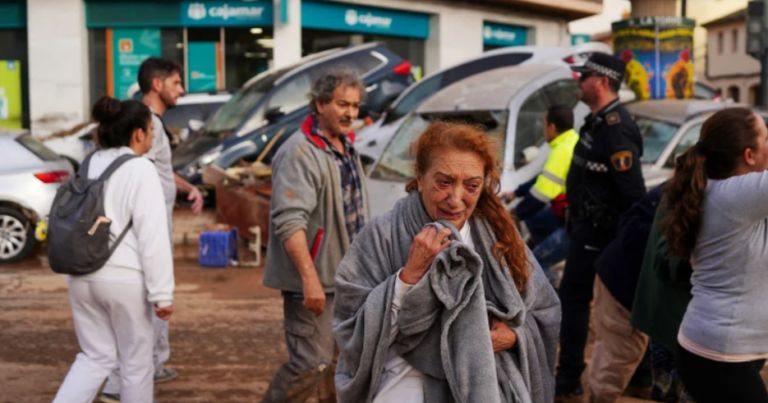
[{"x": 443, "y": 320}]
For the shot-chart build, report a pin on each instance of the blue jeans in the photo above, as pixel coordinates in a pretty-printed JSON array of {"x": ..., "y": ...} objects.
[{"x": 550, "y": 240}]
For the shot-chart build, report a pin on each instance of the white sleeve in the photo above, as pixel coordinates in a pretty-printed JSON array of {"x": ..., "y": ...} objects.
[
  {"x": 150, "y": 224},
  {"x": 401, "y": 289},
  {"x": 745, "y": 196}
]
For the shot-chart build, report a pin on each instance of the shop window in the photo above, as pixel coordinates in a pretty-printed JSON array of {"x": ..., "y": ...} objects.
[
  {"x": 754, "y": 95},
  {"x": 292, "y": 94},
  {"x": 248, "y": 53},
  {"x": 735, "y": 41},
  {"x": 530, "y": 127},
  {"x": 733, "y": 93},
  {"x": 14, "y": 47},
  {"x": 720, "y": 43}
]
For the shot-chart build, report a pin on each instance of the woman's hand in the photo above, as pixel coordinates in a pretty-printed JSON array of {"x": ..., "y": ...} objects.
[
  {"x": 425, "y": 247},
  {"x": 163, "y": 313},
  {"x": 502, "y": 336}
]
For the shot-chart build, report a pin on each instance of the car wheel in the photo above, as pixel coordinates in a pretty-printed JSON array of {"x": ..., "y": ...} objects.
[{"x": 17, "y": 235}]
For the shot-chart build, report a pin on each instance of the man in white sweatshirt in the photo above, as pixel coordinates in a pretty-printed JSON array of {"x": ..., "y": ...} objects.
[{"x": 160, "y": 82}]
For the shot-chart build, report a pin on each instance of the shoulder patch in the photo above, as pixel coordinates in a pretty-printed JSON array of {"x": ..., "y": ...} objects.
[
  {"x": 622, "y": 161},
  {"x": 612, "y": 118}
]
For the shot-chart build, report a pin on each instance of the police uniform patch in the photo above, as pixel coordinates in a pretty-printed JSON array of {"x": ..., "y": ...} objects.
[
  {"x": 612, "y": 119},
  {"x": 622, "y": 160}
]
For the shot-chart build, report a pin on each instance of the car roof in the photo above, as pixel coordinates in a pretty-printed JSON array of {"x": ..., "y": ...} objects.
[
  {"x": 293, "y": 66},
  {"x": 203, "y": 98},
  {"x": 490, "y": 90},
  {"x": 675, "y": 111},
  {"x": 327, "y": 56}
]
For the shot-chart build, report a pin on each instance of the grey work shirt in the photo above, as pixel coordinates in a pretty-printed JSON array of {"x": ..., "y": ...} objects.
[{"x": 160, "y": 155}]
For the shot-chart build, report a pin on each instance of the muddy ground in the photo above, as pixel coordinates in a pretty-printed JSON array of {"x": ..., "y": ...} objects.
[{"x": 226, "y": 332}]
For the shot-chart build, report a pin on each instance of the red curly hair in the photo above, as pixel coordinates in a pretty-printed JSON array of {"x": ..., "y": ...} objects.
[{"x": 509, "y": 249}]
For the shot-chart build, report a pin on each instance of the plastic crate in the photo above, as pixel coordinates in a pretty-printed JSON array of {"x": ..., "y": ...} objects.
[{"x": 215, "y": 248}]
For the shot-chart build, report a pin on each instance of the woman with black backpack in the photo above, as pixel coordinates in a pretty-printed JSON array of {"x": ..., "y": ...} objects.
[{"x": 112, "y": 307}]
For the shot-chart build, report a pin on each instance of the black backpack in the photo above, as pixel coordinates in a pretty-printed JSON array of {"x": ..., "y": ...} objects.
[{"x": 77, "y": 243}]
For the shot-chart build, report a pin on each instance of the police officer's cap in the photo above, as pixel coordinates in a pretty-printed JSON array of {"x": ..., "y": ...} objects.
[{"x": 603, "y": 64}]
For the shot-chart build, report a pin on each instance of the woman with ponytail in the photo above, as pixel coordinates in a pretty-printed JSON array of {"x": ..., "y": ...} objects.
[
  {"x": 440, "y": 300},
  {"x": 112, "y": 307},
  {"x": 717, "y": 213}
]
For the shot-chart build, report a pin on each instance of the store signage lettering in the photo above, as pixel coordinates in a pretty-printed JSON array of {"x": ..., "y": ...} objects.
[
  {"x": 504, "y": 35},
  {"x": 223, "y": 13},
  {"x": 335, "y": 16},
  {"x": 352, "y": 18}
]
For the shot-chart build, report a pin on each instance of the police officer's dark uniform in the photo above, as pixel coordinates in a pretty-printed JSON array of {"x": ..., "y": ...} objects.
[{"x": 605, "y": 179}]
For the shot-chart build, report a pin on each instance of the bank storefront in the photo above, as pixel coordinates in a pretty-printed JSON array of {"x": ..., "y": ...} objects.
[
  {"x": 14, "y": 69},
  {"x": 222, "y": 44}
]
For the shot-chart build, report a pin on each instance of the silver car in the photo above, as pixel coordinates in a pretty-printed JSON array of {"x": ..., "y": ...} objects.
[
  {"x": 668, "y": 129},
  {"x": 508, "y": 102},
  {"x": 30, "y": 173}
]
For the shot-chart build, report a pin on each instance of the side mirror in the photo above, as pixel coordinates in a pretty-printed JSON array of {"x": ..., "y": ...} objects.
[
  {"x": 272, "y": 114},
  {"x": 195, "y": 124}
]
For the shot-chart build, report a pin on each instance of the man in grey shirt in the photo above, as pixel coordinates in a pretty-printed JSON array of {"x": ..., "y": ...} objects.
[{"x": 160, "y": 82}]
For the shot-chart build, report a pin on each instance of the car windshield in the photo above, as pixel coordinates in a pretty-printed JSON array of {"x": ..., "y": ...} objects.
[
  {"x": 232, "y": 113},
  {"x": 656, "y": 137},
  {"x": 396, "y": 163}
]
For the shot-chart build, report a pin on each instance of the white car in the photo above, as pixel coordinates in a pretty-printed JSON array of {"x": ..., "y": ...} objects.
[
  {"x": 371, "y": 140},
  {"x": 191, "y": 111},
  {"x": 669, "y": 128},
  {"x": 509, "y": 102},
  {"x": 30, "y": 174}
]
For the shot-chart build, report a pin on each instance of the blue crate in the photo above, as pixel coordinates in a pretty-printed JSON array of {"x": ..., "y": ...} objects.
[{"x": 215, "y": 248}]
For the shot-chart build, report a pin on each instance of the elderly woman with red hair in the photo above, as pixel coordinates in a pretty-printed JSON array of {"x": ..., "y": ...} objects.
[{"x": 439, "y": 300}]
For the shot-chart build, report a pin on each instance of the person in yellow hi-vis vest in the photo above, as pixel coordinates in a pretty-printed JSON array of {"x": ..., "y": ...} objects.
[{"x": 543, "y": 205}]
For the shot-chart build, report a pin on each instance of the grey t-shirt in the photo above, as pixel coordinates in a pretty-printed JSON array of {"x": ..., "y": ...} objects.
[
  {"x": 160, "y": 154},
  {"x": 729, "y": 309}
]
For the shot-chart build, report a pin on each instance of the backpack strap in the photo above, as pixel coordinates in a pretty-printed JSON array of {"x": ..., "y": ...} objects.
[
  {"x": 116, "y": 164},
  {"x": 83, "y": 171},
  {"x": 120, "y": 238}
]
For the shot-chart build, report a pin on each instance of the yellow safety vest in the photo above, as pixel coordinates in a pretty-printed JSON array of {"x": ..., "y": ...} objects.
[{"x": 551, "y": 182}]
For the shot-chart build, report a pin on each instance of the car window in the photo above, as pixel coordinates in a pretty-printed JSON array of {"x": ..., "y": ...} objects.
[
  {"x": 563, "y": 92},
  {"x": 180, "y": 115},
  {"x": 689, "y": 138},
  {"x": 292, "y": 94},
  {"x": 364, "y": 62},
  {"x": 37, "y": 148},
  {"x": 396, "y": 162},
  {"x": 656, "y": 136},
  {"x": 425, "y": 88},
  {"x": 529, "y": 130}
]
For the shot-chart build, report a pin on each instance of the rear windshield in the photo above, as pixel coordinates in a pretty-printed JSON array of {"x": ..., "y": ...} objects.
[
  {"x": 396, "y": 162},
  {"x": 37, "y": 148}
]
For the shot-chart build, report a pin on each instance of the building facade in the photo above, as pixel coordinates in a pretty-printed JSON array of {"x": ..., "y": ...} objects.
[
  {"x": 728, "y": 66},
  {"x": 63, "y": 54}
]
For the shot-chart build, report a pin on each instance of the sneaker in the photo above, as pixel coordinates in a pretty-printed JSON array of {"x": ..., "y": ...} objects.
[
  {"x": 165, "y": 375},
  {"x": 110, "y": 398}
]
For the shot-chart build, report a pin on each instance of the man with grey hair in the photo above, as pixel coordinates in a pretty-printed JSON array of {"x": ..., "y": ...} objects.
[{"x": 318, "y": 205}]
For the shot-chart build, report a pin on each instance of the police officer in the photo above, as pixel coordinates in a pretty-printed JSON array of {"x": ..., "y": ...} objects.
[{"x": 605, "y": 179}]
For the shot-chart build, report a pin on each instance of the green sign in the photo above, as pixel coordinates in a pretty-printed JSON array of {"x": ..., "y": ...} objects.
[
  {"x": 495, "y": 34},
  {"x": 333, "y": 16},
  {"x": 578, "y": 39},
  {"x": 130, "y": 47},
  {"x": 10, "y": 94},
  {"x": 204, "y": 71}
]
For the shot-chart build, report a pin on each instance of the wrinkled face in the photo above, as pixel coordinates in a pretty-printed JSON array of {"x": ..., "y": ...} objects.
[
  {"x": 170, "y": 90},
  {"x": 337, "y": 115},
  {"x": 452, "y": 185},
  {"x": 143, "y": 139},
  {"x": 760, "y": 155}
]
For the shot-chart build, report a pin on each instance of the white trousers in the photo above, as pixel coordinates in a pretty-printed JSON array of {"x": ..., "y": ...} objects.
[{"x": 111, "y": 320}]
